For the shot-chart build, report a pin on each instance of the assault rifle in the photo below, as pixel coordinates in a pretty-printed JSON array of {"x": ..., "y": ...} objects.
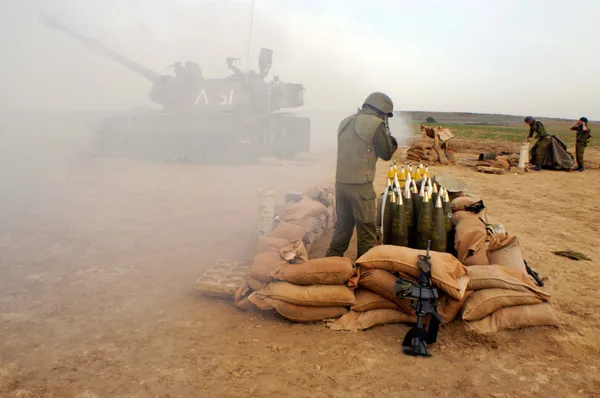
[
  {"x": 533, "y": 274},
  {"x": 424, "y": 297}
]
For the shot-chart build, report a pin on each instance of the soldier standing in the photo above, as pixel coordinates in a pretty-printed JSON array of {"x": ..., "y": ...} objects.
[
  {"x": 362, "y": 138},
  {"x": 537, "y": 131},
  {"x": 583, "y": 137}
]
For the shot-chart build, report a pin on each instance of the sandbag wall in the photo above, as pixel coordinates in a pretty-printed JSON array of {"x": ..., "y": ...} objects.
[
  {"x": 504, "y": 295},
  {"x": 429, "y": 153},
  {"x": 376, "y": 301},
  {"x": 485, "y": 284},
  {"x": 284, "y": 279}
]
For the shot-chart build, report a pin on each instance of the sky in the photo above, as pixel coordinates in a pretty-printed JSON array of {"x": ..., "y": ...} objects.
[{"x": 513, "y": 57}]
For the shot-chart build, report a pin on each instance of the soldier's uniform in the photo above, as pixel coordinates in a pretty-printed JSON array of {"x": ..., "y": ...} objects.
[
  {"x": 362, "y": 138},
  {"x": 581, "y": 142},
  {"x": 538, "y": 131}
]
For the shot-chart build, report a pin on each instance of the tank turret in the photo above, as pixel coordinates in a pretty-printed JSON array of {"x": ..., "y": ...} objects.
[
  {"x": 207, "y": 120},
  {"x": 187, "y": 89}
]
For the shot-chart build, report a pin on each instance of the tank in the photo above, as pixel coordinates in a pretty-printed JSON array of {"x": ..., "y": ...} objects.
[{"x": 234, "y": 119}]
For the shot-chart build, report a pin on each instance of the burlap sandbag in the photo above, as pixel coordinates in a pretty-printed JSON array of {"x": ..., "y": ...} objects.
[
  {"x": 313, "y": 227},
  {"x": 271, "y": 244},
  {"x": 500, "y": 277},
  {"x": 382, "y": 282},
  {"x": 240, "y": 297},
  {"x": 288, "y": 231},
  {"x": 433, "y": 155},
  {"x": 296, "y": 313},
  {"x": 461, "y": 202},
  {"x": 364, "y": 320},
  {"x": 449, "y": 308},
  {"x": 448, "y": 273},
  {"x": 507, "y": 253},
  {"x": 312, "y": 296},
  {"x": 301, "y": 209},
  {"x": 515, "y": 317},
  {"x": 441, "y": 156},
  {"x": 501, "y": 163},
  {"x": 478, "y": 258},
  {"x": 420, "y": 146},
  {"x": 319, "y": 271},
  {"x": 483, "y": 302},
  {"x": 294, "y": 253},
  {"x": 266, "y": 264},
  {"x": 323, "y": 194},
  {"x": 367, "y": 300},
  {"x": 254, "y": 284},
  {"x": 470, "y": 233}
]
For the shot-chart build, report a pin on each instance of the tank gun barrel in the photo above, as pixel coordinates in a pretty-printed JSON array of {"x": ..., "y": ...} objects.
[{"x": 94, "y": 45}]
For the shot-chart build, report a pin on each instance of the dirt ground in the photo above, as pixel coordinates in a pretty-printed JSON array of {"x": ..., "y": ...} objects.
[{"x": 98, "y": 259}]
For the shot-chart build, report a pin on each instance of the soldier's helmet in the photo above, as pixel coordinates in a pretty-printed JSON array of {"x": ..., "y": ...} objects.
[
  {"x": 381, "y": 102},
  {"x": 528, "y": 119}
]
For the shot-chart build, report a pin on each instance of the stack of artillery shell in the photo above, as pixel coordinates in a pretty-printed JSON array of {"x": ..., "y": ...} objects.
[{"x": 410, "y": 217}]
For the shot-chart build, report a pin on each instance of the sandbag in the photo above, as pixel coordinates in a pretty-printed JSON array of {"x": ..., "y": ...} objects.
[
  {"x": 483, "y": 302},
  {"x": 288, "y": 231},
  {"x": 294, "y": 253},
  {"x": 319, "y": 271},
  {"x": 254, "y": 284},
  {"x": 500, "y": 277},
  {"x": 478, "y": 258},
  {"x": 433, "y": 155},
  {"x": 312, "y": 296},
  {"x": 515, "y": 317},
  {"x": 442, "y": 156},
  {"x": 301, "y": 209},
  {"x": 313, "y": 227},
  {"x": 265, "y": 264},
  {"x": 364, "y": 320},
  {"x": 501, "y": 163},
  {"x": 448, "y": 273},
  {"x": 507, "y": 253},
  {"x": 323, "y": 194},
  {"x": 354, "y": 279},
  {"x": 367, "y": 300},
  {"x": 420, "y": 145},
  {"x": 270, "y": 244},
  {"x": 460, "y": 203},
  {"x": 240, "y": 298},
  {"x": 296, "y": 313},
  {"x": 449, "y": 308},
  {"x": 470, "y": 233},
  {"x": 382, "y": 282}
]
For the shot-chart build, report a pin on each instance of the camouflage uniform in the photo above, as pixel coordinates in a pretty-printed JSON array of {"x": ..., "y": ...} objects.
[
  {"x": 538, "y": 131},
  {"x": 362, "y": 138},
  {"x": 583, "y": 137}
]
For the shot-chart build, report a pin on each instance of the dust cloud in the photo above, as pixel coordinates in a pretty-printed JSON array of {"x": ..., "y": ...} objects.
[{"x": 93, "y": 245}]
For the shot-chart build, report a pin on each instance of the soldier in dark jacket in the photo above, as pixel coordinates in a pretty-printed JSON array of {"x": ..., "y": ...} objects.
[
  {"x": 583, "y": 137},
  {"x": 362, "y": 139},
  {"x": 537, "y": 131}
]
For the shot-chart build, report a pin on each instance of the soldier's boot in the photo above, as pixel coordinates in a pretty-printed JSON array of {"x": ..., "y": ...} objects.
[{"x": 537, "y": 168}]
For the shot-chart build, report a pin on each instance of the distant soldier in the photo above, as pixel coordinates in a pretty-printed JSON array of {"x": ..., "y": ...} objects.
[
  {"x": 583, "y": 137},
  {"x": 537, "y": 131},
  {"x": 362, "y": 138}
]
